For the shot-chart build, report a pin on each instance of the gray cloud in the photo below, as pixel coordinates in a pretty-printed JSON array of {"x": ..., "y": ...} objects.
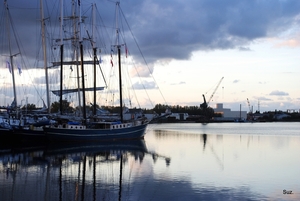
[
  {"x": 244, "y": 49},
  {"x": 278, "y": 93},
  {"x": 262, "y": 98},
  {"x": 174, "y": 29},
  {"x": 144, "y": 85}
]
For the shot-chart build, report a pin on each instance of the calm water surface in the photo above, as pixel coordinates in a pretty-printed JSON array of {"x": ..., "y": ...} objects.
[{"x": 224, "y": 161}]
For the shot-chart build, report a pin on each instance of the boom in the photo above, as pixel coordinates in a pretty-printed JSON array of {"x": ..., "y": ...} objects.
[
  {"x": 214, "y": 91},
  {"x": 204, "y": 105}
]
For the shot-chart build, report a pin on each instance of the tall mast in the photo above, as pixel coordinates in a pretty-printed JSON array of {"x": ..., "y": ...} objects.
[
  {"x": 10, "y": 53},
  {"x": 119, "y": 62},
  {"x": 95, "y": 57},
  {"x": 82, "y": 62},
  {"x": 61, "y": 52},
  {"x": 80, "y": 22},
  {"x": 120, "y": 83},
  {"x": 45, "y": 54},
  {"x": 76, "y": 51}
]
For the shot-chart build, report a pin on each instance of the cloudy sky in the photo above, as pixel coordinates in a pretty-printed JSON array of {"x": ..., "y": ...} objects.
[{"x": 189, "y": 45}]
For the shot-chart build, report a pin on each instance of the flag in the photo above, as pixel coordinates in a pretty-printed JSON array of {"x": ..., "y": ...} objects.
[
  {"x": 111, "y": 57},
  {"x": 8, "y": 66},
  {"x": 126, "y": 50},
  {"x": 19, "y": 68}
]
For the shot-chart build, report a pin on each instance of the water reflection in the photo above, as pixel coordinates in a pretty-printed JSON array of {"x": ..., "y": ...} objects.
[
  {"x": 204, "y": 137},
  {"x": 234, "y": 166},
  {"x": 175, "y": 162},
  {"x": 71, "y": 171}
]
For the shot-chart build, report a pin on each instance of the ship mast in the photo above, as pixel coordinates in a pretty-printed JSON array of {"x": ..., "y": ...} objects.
[
  {"x": 82, "y": 63},
  {"x": 61, "y": 54},
  {"x": 95, "y": 58},
  {"x": 45, "y": 54},
  {"x": 76, "y": 50},
  {"x": 78, "y": 57},
  {"x": 11, "y": 55},
  {"x": 119, "y": 61}
]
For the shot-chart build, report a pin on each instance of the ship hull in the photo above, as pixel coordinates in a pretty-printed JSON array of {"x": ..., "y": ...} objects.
[{"x": 63, "y": 134}]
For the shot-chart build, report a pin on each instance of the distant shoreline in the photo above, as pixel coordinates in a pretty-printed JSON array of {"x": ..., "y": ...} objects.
[{"x": 178, "y": 121}]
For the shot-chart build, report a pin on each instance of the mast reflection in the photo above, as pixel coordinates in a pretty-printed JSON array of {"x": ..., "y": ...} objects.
[{"x": 93, "y": 171}]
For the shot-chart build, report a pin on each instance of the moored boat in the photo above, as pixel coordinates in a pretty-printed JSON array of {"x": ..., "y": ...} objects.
[
  {"x": 95, "y": 127},
  {"x": 97, "y": 131}
]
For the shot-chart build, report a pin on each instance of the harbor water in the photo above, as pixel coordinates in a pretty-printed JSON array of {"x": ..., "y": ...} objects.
[{"x": 182, "y": 161}]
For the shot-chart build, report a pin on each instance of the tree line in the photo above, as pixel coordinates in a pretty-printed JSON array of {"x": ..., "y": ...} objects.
[
  {"x": 158, "y": 108},
  {"x": 207, "y": 113}
]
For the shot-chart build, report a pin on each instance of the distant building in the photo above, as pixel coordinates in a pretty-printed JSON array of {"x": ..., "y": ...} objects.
[
  {"x": 177, "y": 116},
  {"x": 228, "y": 115}
]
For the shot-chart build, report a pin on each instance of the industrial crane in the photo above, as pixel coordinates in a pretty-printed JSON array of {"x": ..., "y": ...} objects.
[
  {"x": 204, "y": 105},
  {"x": 250, "y": 111},
  {"x": 250, "y": 115}
]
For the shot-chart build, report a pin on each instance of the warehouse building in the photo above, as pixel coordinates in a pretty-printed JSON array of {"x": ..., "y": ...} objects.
[{"x": 228, "y": 115}]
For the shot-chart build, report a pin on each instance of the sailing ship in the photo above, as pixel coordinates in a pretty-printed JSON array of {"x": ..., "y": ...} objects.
[
  {"x": 99, "y": 125},
  {"x": 94, "y": 127}
]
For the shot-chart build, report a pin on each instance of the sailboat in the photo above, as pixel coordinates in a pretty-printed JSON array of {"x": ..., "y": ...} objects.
[
  {"x": 95, "y": 127},
  {"x": 19, "y": 124},
  {"x": 10, "y": 119}
]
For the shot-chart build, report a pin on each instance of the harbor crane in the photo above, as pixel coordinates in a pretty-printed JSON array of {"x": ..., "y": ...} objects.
[
  {"x": 250, "y": 110},
  {"x": 205, "y": 104},
  {"x": 250, "y": 114}
]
